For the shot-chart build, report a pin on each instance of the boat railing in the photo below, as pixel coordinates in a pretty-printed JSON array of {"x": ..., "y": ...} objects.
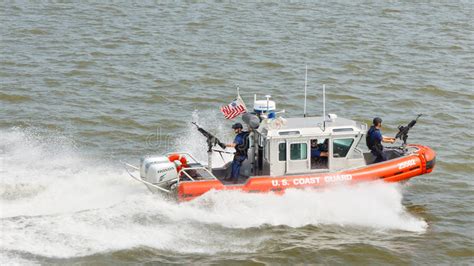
[
  {"x": 148, "y": 184},
  {"x": 199, "y": 173},
  {"x": 362, "y": 126}
]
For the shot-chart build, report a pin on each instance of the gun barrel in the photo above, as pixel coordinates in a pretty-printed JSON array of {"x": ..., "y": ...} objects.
[
  {"x": 211, "y": 139},
  {"x": 411, "y": 124},
  {"x": 200, "y": 129}
]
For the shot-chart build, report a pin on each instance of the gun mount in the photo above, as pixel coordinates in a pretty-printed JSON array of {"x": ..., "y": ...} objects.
[{"x": 403, "y": 130}]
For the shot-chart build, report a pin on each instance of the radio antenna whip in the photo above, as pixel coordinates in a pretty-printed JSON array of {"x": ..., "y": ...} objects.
[
  {"x": 305, "y": 89},
  {"x": 324, "y": 106}
]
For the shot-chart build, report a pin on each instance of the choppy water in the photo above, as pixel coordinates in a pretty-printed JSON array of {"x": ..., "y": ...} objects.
[{"x": 86, "y": 85}]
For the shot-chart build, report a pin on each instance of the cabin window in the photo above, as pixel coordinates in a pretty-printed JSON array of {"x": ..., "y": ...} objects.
[
  {"x": 357, "y": 148},
  {"x": 341, "y": 147},
  {"x": 342, "y": 129},
  {"x": 282, "y": 151},
  {"x": 298, "y": 151},
  {"x": 288, "y": 133}
]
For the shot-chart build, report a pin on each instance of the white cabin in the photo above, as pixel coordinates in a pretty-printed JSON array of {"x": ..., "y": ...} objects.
[{"x": 286, "y": 149}]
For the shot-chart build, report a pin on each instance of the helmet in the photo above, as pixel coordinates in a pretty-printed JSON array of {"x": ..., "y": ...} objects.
[
  {"x": 237, "y": 125},
  {"x": 377, "y": 121}
]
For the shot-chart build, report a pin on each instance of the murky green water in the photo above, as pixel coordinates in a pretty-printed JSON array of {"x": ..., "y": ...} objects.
[{"x": 84, "y": 86}]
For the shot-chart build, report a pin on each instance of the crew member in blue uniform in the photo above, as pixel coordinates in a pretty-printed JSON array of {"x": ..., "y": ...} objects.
[
  {"x": 319, "y": 154},
  {"x": 374, "y": 140},
  {"x": 241, "y": 146},
  {"x": 317, "y": 150}
]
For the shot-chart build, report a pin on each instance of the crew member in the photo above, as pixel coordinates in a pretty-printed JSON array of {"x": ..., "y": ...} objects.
[
  {"x": 319, "y": 154},
  {"x": 317, "y": 150},
  {"x": 241, "y": 146},
  {"x": 374, "y": 140}
]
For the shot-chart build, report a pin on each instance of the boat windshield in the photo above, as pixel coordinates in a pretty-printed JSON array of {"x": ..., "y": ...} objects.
[{"x": 197, "y": 173}]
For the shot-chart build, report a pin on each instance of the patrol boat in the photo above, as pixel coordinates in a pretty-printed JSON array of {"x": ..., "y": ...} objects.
[{"x": 279, "y": 158}]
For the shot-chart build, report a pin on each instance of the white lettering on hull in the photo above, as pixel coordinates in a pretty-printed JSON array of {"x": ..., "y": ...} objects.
[
  {"x": 337, "y": 178},
  {"x": 303, "y": 181},
  {"x": 406, "y": 164},
  {"x": 279, "y": 182},
  {"x": 306, "y": 181}
]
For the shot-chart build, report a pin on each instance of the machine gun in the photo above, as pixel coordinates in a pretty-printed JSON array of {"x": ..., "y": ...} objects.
[
  {"x": 403, "y": 131},
  {"x": 211, "y": 139}
]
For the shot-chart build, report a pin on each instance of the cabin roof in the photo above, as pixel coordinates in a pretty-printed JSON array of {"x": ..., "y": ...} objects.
[{"x": 311, "y": 126}]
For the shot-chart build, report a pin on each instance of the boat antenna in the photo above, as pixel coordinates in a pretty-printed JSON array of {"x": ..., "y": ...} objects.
[
  {"x": 238, "y": 91},
  {"x": 268, "y": 102},
  {"x": 324, "y": 107},
  {"x": 305, "y": 89}
]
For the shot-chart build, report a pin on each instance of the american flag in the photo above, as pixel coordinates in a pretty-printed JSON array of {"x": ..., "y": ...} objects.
[{"x": 234, "y": 109}]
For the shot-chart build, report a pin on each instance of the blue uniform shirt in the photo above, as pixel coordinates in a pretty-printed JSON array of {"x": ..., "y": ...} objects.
[
  {"x": 374, "y": 139},
  {"x": 375, "y": 135},
  {"x": 239, "y": 139},
  {"x": 315, "y": 152},
  {"x": 239, "y": 157},
  {"x": 240, "y": 142}
]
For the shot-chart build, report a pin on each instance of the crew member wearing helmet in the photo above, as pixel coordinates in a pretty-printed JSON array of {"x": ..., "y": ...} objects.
[
  {"x": 241, "y": 146},
  {"x": 374, "y": 140}
]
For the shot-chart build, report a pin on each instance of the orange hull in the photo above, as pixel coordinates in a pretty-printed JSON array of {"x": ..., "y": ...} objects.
[{"x": 395, "y": 170}]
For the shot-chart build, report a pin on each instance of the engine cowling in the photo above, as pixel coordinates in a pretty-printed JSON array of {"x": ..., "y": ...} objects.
[{"x": 158, "y": 169}]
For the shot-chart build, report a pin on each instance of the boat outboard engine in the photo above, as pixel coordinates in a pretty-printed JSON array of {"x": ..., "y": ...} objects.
[{"x": 158, "y": 170}]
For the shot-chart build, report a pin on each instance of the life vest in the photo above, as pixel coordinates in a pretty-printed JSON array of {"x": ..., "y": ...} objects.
[
  {"x": 241, "y": 149},
  {"x": 183, "y": 163},
  {"x": 371, "y": 142}
]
